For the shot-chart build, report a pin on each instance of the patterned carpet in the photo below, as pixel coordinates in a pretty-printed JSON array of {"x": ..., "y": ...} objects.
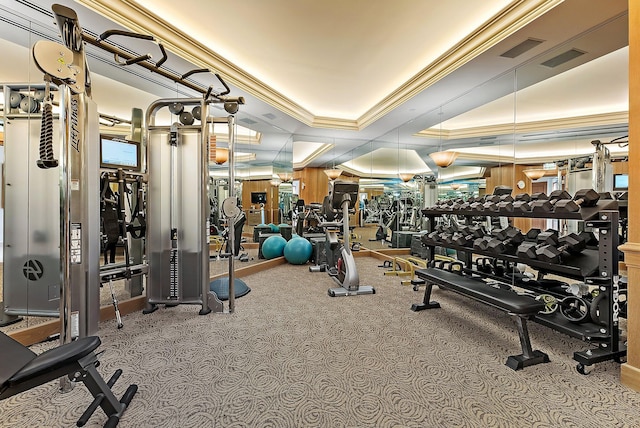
[{"x": 293, "y": 357}]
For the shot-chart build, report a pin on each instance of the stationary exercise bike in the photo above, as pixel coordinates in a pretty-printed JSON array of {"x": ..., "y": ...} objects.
[{"x": 343, "y": 195}]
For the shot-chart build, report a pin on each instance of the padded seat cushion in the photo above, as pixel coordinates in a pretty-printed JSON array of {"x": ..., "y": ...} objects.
[
  {"x": 500, "y": 298},
  {"x": 55, "y": 358},
  {"x": 13, "y": 356}
]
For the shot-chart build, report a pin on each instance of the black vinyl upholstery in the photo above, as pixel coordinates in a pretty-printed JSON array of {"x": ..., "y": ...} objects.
[
  {"x": 56, "y": 358},
  {"x": 500, "y": 298}
]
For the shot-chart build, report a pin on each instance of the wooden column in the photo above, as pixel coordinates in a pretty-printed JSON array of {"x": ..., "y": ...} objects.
[{"x": 630, "y": 371}]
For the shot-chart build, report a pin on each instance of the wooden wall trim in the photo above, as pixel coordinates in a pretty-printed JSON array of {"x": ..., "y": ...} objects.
[{"x": 630, "y": 371}]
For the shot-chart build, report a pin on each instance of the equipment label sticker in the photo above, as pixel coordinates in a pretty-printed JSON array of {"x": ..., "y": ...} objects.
[{"x": 75, "y": 241}]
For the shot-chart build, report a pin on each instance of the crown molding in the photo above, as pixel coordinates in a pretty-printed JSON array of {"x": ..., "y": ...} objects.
[
  {"x": 315, "y": 154},
  {"x": 509, "y": 20},
  {"x": 512, "y": 18},
  {"x": 575, "y": 122},
  {"x": 138, "y": 19}
]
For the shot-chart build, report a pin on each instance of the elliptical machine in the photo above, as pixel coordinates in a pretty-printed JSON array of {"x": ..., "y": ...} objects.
[{"x": 343, "y": 195}]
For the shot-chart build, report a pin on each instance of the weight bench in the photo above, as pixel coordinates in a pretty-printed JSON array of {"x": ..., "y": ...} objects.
[
  {"x": 520, "y": 307},
  {"x": 22, "y": 369}
]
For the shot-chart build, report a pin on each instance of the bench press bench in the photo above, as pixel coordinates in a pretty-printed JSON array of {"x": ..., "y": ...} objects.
[
  {"x": 21, "y": 369},
  {"x": 520, "y": 307}
]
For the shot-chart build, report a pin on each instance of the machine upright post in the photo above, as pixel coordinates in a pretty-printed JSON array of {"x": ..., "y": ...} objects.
[{"x": 232, "y": 194}]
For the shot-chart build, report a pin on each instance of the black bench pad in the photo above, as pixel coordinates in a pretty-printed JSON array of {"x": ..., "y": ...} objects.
[
  {"x": 55, "y": 359},
  {"x": 505, "y": 300}
]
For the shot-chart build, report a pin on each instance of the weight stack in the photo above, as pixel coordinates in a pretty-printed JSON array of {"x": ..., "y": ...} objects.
[
  {"x": 286, "y": 232},
  {"x": 417, "y": 247},
  {"x": 401, "y": 239},
  {"x": 257, "y": 230},
  {"x": 319, "y": 251}
]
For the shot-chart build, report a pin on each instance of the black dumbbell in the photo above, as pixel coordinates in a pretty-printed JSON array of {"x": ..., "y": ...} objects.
[
  {"x": 461, "y": 239},
  {"x": 504, "y": 240},
  {"x": 520, "y": 203},
  {"x": 481, "y": 244},
  {"x": 582, "y": 198},
  {"x": 475, "y": 231},
  {"x": 527, "y": 249},
  {"x": 502, "y": 190},
  {"x": 477, "y": 205},
  {"x": 490, "y": 202},
  {"x": 504, "y": 204},
  {"x": 540, "y": 202},
  {"x": 570, "y": 243},
  {"x": 532, "y": 234},
  {"x": 548, "y": 237},
  {"x": 558, "y": 195}
]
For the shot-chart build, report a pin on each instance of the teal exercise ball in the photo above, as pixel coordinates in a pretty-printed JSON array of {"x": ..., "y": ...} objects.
[
  {"x": 273, "y": 247},
  {"x": 274, "y": 228},
  {"x": 297, "y": 251}
]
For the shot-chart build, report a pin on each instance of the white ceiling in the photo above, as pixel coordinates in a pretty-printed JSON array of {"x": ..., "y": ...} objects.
[
  {"x": 335, "y": 58},
  {"x": 344, "y": 75}
]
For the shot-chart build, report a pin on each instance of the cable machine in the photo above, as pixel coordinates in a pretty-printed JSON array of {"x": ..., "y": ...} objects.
[{"x": 178, "y": 202}]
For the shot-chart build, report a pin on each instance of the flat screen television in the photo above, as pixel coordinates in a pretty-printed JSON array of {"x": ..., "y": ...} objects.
[
  {"x": 119, "y": 153},
  {"x": 620, "y": 181},
  {"x": 258, "y": 197}
]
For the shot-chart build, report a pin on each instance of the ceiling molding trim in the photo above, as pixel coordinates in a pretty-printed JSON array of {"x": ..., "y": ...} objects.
[
  {"x": 575, "y": 122},
  {"x": 505, "y": 23},
  {"x": 315, "y": 154},
  {"x": 335, "y": 123},
  {"x": 138, "y": 19}
]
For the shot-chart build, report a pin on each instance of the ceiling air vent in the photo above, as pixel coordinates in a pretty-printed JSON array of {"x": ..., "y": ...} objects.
[
  {"x": 521, "y": 48},
  {"x": 269, "y": 116},
  {"x": 248, "y": 121},
  {"x": 562, "y": 58}
]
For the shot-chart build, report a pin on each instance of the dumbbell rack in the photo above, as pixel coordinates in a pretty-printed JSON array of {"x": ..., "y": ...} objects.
[{"x": 595, "y": 266}]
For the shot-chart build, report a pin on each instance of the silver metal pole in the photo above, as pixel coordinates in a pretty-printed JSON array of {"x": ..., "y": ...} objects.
[
  {"x": 232, "y": 194},
  {"x": 65, "y": 215},
  {"x": 204, "y": 204}
]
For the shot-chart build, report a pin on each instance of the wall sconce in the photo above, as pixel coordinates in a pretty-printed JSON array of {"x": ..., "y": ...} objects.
[
  {"x": 333, "y": 173},
  {"x": 454, "y": 186},
  {"x": 222, "y": 155},
  {"x": 285, "y": 176},
  {"x": 534, "y": 173},
  {"x": 405, "y": 176},
  {"x": 443, "y": 159},
  {"x": 275, "y": 182}
]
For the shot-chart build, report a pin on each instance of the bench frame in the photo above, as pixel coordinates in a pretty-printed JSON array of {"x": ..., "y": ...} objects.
[{"x": 528, "y": 357}]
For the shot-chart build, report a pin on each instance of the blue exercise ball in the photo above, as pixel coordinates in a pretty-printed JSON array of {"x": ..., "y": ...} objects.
[
  {"x": 297, "y": 251},
  {"x": 274, "y": 228},
  {"x": 273, "y": 247}
]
